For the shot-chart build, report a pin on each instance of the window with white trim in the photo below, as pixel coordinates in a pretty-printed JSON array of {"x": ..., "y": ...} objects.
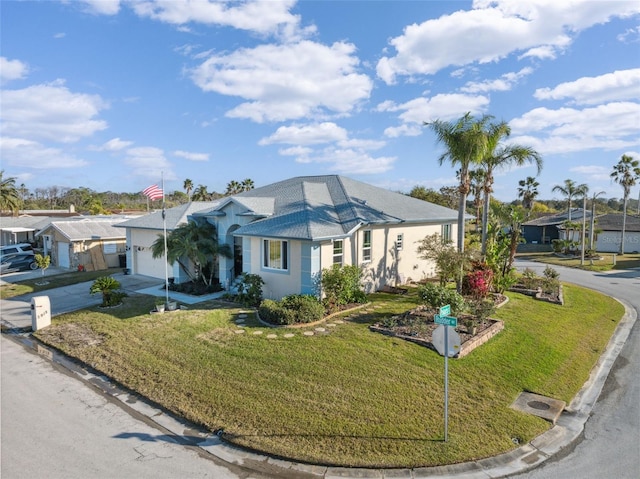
[
  {"x": 399, "y": 242},
  {"x": 366, "y": 245},
  {"x": 337, "y": 251},
  {"x": 446, "y": 233},
  {"x": 275, "y": 254}
]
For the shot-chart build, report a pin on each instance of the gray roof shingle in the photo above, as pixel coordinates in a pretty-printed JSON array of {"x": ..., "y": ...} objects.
[
  {"x": 174, "y": 216},
  {"x": 318, "y": 207}
]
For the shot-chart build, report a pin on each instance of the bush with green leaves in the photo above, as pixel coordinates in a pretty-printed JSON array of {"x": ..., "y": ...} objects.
[
  {"x": 341, "y": 285},
  {"x": 436, "y": 296},
  {"x": 292, "y": 309},
  {"x": 530, "y": 279},
  {"x": 110, "y": 289},
  {"x": 249, "y": 289}
]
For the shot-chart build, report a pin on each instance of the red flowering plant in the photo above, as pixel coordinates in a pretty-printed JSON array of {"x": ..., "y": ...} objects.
[{"x": 477, "y": 283}]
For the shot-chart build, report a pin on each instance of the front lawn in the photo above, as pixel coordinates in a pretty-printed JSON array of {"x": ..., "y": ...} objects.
[
  {"x": 604, "y": 262},
  {"x": 345, "y": 396}
]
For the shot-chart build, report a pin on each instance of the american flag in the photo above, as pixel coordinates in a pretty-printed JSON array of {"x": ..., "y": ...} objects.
[{"x": 153, "y": 192}]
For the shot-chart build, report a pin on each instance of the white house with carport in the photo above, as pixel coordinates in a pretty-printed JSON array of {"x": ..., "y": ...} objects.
[{"x": 289, "y": 231}]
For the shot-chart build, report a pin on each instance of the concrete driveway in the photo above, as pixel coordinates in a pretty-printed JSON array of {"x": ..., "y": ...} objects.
[{"x": 16, "y": 312}]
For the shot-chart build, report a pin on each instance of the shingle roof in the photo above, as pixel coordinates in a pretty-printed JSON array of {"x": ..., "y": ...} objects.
[
  {"x": 174, "y": 216},
  {"x": 557, "y": 218},
  {"x": 613, "y": 222},
  {"x": 87, "y": 229},
  {"x": 317, "y": 207}
]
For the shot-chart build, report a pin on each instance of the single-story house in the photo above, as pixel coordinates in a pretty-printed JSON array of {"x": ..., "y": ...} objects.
[
  {"x": 88, "y": 243},
  {"x": 609, "y": 233},
  {"x": 143, "y": 231},
  {"x": 21, "y": 229},
  {"x": 545, "y": 229},
  {"x": 289, "y": 231}
]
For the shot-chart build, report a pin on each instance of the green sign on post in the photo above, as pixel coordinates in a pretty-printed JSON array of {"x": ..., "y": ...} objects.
[
  {"x": 445, "y": 310},
  {"x": 446, "y": 320}
]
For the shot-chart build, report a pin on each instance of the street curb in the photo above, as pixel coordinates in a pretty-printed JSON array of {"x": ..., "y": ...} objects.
[{"x": 565, "y": 433}]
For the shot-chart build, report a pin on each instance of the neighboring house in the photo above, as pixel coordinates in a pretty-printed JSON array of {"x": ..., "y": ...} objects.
[
  {"x": 143, "y": 231},
  {"x": 21, "y": 229},
  {"x": 609, "y": 233},
  {"x": 289, "y": 231},
  {"x": 89, "y": 243},
  {"x": 545, "y": 229}
]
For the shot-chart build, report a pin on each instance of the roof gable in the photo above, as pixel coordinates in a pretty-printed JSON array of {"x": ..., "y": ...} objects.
[{"x": 174, "y": 217}]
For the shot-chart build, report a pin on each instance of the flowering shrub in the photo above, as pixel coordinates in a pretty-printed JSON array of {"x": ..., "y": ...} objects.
[{"x": 477, "y": 283}]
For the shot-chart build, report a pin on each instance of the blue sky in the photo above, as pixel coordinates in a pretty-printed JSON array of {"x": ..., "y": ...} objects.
[{"x": 113, "y": 95}]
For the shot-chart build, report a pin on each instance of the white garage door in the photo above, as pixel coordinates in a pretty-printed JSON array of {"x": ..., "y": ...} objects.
[{"x": 63, "y": 255}]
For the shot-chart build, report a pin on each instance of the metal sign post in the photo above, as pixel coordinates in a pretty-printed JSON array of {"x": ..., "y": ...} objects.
[{"x": 446, "y": 321}]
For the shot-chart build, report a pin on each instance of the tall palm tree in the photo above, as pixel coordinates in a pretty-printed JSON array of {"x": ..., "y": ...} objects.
[
  {"x": 528, "y": 191},
  {"x": 233, "y": 188},
  {"x": 247, "y": 184},
  {"x": 570, "y": 190},
  {"x": 477, "y": 180},
  {"x": 626, "y": 173},
  {"x": 199, "y": 243},
  {"x": 498, "y": 156},
  {"x": 9, "y": 196},
  {"x": 466, "y": 144},
  {"x": 188, "y": 187}
]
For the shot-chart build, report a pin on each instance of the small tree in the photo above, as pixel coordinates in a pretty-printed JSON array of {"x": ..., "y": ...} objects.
[
  {"x": 43, "y": 262},
  {"x": 449, "y": 262},
  {"x": 250, "y": 289},
  {"x": 341, "y": 285}
]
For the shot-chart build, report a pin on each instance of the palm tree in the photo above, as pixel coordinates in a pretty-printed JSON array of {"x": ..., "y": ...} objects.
[
  {"x": 593, "y": 218},
  {"x": 200, "y": 194},
  {"x": 626, "y": 172},
  {"x": 528, "y": 191},
  {"x": 466, "y": 144},
  {"x": 247, "y": 184},
  {"x": 233, "y": 188},
  {"x": 499, "y": 156},
  {"x": 199, "y": 243},
  {"x": 9, "y": 196},
  {"x": 188, "y": 187},
  {"x": 570, "y": 190},
  {"x": 477, "y": 180}
]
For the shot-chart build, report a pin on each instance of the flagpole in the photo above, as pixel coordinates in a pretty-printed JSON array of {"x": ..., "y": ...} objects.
[{"x": 164, "y": 230}]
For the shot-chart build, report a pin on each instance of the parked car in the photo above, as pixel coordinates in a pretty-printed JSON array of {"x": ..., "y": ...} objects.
[
  {"x": 11, "y": 249},
  {"x": 18, "y": 262}
]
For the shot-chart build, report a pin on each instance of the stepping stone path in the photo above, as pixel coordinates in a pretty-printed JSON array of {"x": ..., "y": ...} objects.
[
  {"x": 308, "y": 333},
  {"x": 320, "y": 330},
  {"x": 289, "y": 335},
  {"x": 239, "y": 331},
  {"x": 257, "y": 332},
  {"x": 331, "y": 325},
  {"x": 272, "y": 336}
]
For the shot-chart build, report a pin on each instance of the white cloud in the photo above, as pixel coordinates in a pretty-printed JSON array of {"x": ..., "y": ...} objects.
[
  {"x": 191, "y": 156},
  {"x": 311, "y": 134},
  {"x": 617, "y": 86},
  {"x": 349, "y": 161},
  {"x": 51, "y": 112},
  {"x": 285, "y": 82},
  {"x": 262, "y": 16},
  {"x": 299, "y": 151},
  {"x": 632, "y": 35},
  {"x": 439, "y": 107},
  {"x": 492, "y": 30},
  {"x": 504, "y": 83},
  {"x": 103, "y": 7},
  {"x": 12, "y": 69},
  {"x": 593, "y": 172},
  {"x": 115, "y": 144},
  {"x": 21, "y": 153},
  {"x": 611, "y": 126},
  {"x": 148, "y": 162}
]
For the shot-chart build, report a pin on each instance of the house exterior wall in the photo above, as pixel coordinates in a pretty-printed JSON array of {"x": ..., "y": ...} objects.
[
  {"x": 609, "y": 241},
  {"x": 141, "y": 261}
]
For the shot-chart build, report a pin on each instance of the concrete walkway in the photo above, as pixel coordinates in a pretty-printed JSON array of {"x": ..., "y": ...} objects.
[{"x": 562, "y": 435}]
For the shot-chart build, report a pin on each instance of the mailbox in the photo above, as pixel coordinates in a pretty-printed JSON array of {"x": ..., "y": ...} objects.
[{"x": 40, "y": 312}]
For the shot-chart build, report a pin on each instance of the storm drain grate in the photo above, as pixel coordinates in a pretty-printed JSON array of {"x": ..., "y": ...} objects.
[{"x": 541, "y": 406}]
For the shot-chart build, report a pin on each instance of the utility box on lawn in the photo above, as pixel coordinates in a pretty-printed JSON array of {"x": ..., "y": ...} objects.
[{"x": 40, "y": 312}]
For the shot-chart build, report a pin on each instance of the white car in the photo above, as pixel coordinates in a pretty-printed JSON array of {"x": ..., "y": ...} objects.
[{"x": 20, "y": 248}]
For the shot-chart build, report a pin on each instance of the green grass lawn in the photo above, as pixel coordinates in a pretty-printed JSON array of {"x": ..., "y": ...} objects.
[{"x": 348, "y": 397}]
